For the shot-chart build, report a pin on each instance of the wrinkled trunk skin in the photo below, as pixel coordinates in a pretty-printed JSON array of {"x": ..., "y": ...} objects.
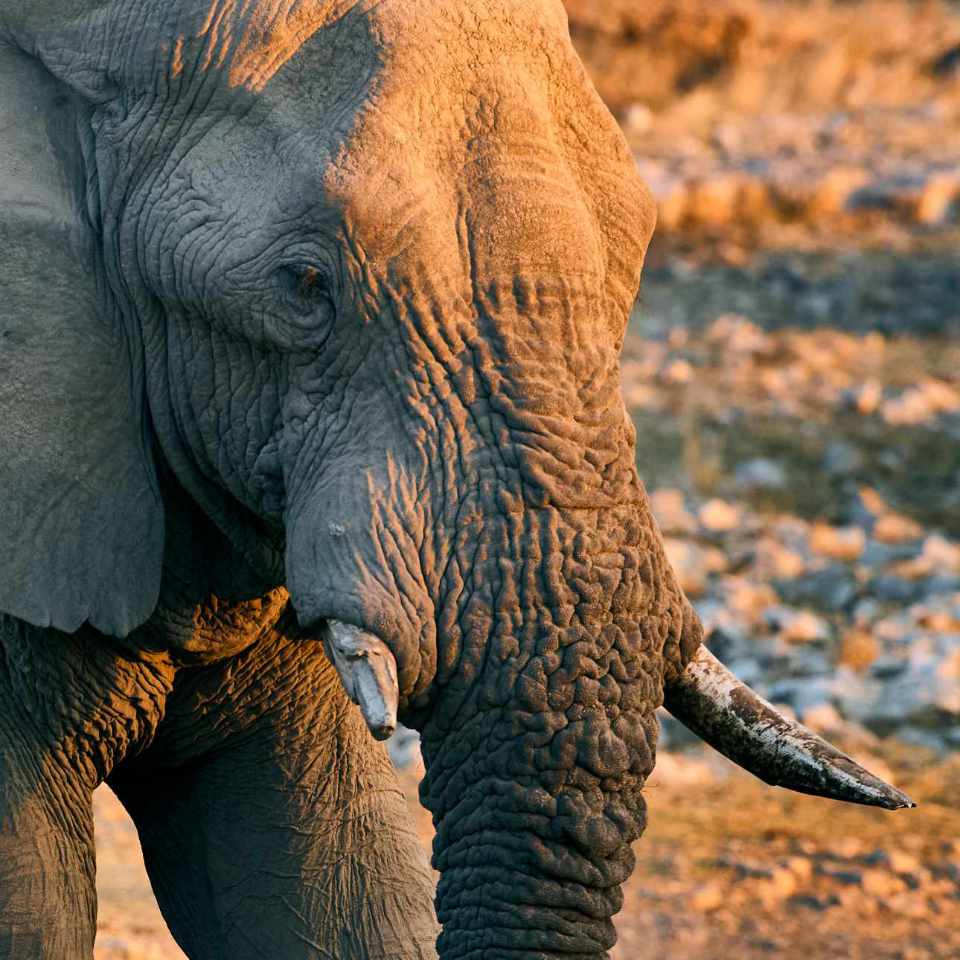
[
  {"x": 509, "y": 559},
  {"x": 536, "y": 755}
]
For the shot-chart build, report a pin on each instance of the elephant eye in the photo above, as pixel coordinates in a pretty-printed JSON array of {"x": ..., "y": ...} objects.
[{"x": 305, "y": 286}]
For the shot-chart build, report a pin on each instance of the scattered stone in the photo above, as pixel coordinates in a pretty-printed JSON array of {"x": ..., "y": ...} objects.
[
  {"x": 781, "y": 885},
  {"x": 803, "y": 695},
  {"x": 894, "y": 528},
  {"x": 880, "y": 883},
  {"x": 901, "y": 862},
  {"x": 842, "y": 458},
  {"x": 638, "y": 119},
  {"x": 673, "y": 200},
  {"x": 794, "y": 534},
  {"x": 715, "y": 200},
  {"x": 822, "y": 718},
  {"x": 938, "y": 585},
  {"x": 909, "y": 905},
  {"x": 942, "y": 554},
  {"x": 922, "y": 403},
  {"x": 935, "y": 620},
  {"x": 831, "y": 588},
  {"x": 866, "y": 612},
  {"x": 746, "y": 598},
  {"x": 708, "y": 898},
  {"x": 719, "y": 516},
  {"x": 858, "y": 649},
  {"x": 888, "y": 667},
  {"x": 689, "y": 562},
  {"x": 937, "y": 203},
  {"x": 671, "y": 512},
  {"x": 677, "y": 372},
  {"x": 761, "y": 474},
  {"x": 893, "y": 589},
  {"x": 846, "y": 876},
  {"x": 913, "y": 697},
  {"x": 883, "y": 653},
  {"x": 808, "y": 901},
  {"x": 848, "y": 847},
  {"x": 838, "y": 543},
  {"x": 678, "y": 769},
  {"x": 868, "y": 397},
  {"x": 800, "y": 867},
  {"x": 877, "y": 556},
  {"x": 872, "y": 501},
  {"x": 738, "y": 335},
  {"x": 835, "y": 192},
  {"x": 797, "y": 626},
  {"x": 773, "y": 561}
]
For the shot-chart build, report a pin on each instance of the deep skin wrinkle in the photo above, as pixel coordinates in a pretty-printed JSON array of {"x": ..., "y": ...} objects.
[{"x": 372, "y": 265}]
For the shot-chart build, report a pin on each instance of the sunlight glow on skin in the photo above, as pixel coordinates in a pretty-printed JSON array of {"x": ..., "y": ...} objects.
[{"x": 270, "y": 36}]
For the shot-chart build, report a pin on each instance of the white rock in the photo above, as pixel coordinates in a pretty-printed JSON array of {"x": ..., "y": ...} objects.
[
  {"x": 671, "y": 512},
  {"x": 839, "y": 543},
  {"x": 718, "y": 516},
  {"x": 942, "y": 554}
]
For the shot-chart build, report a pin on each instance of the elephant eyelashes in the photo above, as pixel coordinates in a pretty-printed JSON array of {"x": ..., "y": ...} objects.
[
  {"x": 309, "y": 310},
  {"x": 306, "y": 287}
]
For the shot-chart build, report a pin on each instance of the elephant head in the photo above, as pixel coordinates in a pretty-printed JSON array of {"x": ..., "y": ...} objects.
[{"x": 355, "y": 276}]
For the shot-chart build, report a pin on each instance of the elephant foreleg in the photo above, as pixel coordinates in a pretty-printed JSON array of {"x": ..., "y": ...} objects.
[
  {"x": 69, "y": 707},
  {"x": 47, "y": 895},
  {"x": 272, "y": 824}
]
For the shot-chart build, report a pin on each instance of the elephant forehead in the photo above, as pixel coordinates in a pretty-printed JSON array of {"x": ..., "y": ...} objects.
[
  {"x": 249, "y": 43},
  {"x": 471, "y": 161}
]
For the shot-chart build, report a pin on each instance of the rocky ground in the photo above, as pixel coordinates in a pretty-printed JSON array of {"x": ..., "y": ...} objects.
[
  {"x": 793, "y": 370},
  {"x": 750, "y": 117},
  {"x": 807, "y": 483}
]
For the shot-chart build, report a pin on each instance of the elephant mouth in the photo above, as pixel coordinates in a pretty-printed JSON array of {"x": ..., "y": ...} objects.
[{"x": 707, "y": 698}]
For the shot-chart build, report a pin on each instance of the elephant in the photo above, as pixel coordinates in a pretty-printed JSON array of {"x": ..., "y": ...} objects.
[{"x": 311, "y": 424}]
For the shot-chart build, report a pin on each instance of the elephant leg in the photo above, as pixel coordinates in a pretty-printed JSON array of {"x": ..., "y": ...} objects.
[
  {"x": 69, "y": 707},
  {"x": 47, "y": 894},
  {"x": 272, "y": 824}
]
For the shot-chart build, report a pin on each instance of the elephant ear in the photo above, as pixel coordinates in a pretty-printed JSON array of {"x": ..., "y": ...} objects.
[{"x": 81, "y": 522}]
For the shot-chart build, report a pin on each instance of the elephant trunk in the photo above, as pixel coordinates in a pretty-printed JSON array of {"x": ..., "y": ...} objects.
[
  {"x": 538, "y": 744},
  {"x": 534, "y": 827}
]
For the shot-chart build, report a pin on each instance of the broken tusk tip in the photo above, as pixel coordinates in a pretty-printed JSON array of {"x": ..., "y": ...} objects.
[{"x": 383, "y": 732}]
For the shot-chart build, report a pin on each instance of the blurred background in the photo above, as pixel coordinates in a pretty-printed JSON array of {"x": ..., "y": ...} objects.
[{"x": 793, "y": 370}]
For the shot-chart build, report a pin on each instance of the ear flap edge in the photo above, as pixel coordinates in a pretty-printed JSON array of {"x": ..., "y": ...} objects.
[{"x": 81, "y": 517}]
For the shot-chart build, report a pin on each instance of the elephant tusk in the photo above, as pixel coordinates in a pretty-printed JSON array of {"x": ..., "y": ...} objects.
[
  {"x": 743, "y": 726},
  {"x": 368, "y": 672}
]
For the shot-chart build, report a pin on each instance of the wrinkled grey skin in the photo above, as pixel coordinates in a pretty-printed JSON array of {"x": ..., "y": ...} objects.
[{"x": 321, "y": 297}]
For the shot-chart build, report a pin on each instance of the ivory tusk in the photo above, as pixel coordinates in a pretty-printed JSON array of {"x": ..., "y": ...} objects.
[
  {"x": 368, "y": 672},
  {"x": 743, "y": 726}
]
